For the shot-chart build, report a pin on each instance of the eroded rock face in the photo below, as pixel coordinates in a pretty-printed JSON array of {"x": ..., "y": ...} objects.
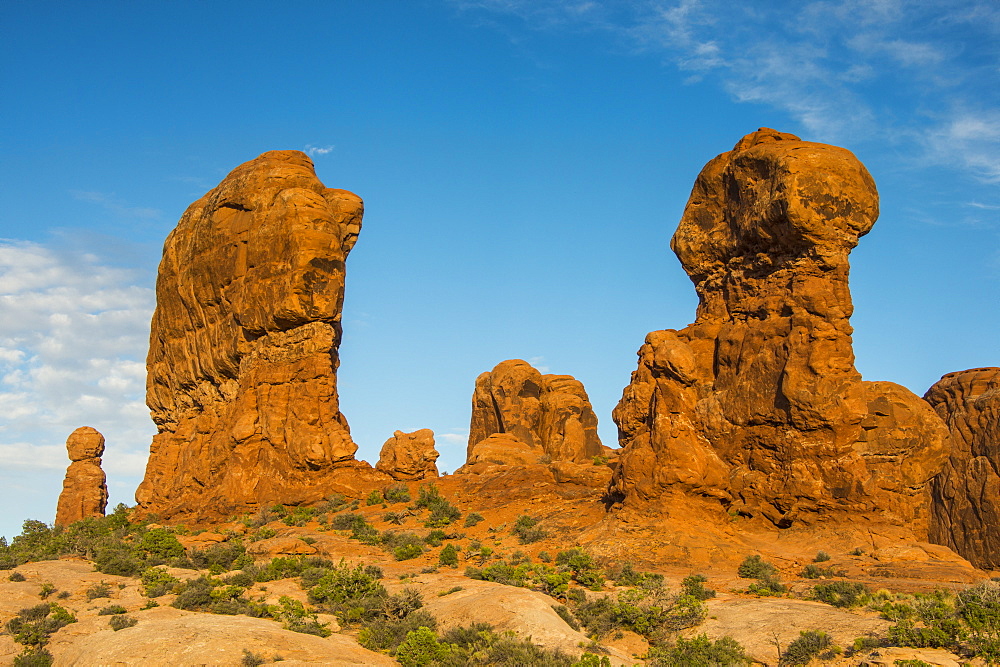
[
  {"x": 758, "y": 402},
  {"x": 409, "y": 456},
  {"x": 549, "y": 413},
  {"x": 966, "y": 494},
  {"x": 243, "y": 348},
  {"x": 85, "y": 489}
]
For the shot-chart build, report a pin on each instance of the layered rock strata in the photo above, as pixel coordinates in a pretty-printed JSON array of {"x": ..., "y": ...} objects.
[
  {"x": 758, "y": 403},
  {"x": 85, "y": 489},
  {"x": 409, "y": 456},
  {"x": 551, "y": 414},
  {"x": 966, "y": 494},
  {"x": 244, "y": 343}
]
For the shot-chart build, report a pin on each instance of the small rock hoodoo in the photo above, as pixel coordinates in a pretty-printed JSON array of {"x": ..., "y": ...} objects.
[
  {"x": 758, "y": 403},
  {"x": 409, "y": 456},
  {"x": 244, "y": 343},
  {"x": 85, "y": 489},
  {"x": 966, "y": 494},
  {"x": 550, "y": 414}
]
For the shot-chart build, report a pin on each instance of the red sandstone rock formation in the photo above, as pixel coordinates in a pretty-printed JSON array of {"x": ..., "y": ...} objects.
[
  {"x": 758, "y": 402},
  {"x": 966, "y": 494},
  {"x": 85, "y": 490},
  {"x": 243, "y": 348},
  {"x": 549, "y": 413},
  {"x": 409, "y": 456}
]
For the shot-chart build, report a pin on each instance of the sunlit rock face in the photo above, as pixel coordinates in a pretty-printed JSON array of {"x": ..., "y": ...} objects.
[
  {"x": 550, "y": 414},
  {"x": 409, "y": 456},
  {"x": 85, "y": 489},
  {"x": 244, "y": 343},
  {"x": 758, "y": 403},
  {"x": 966, "y": 494}
]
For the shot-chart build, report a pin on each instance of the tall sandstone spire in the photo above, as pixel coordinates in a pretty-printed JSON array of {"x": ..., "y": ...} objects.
[
  {"x": 758, "y": 403},
  {"x": 244, "y": 343}
]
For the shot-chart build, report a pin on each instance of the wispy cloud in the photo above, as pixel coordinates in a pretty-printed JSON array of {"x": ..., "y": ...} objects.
[
  {"x": 116, "y": 205},
  {"x": 844, "y": 70},
  {"x": 313, "y": 151}
]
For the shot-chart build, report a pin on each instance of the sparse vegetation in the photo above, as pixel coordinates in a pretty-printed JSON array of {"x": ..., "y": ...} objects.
[
  {"x": 809, "y": 644},
  {"x": 16, "y": 576},
  {"x": 442, "y": 512},
  {"x": 812, "y": 571},
  {"x": 112, "y": 609},
  {"x": 472, "y": 519},
  {"x": 766, "y": 574},
  {"x": 841, "y": 593},
  {"x": 698, "y": 651},
  {"x": 527, "y": 531},
  {"x": 653, "y": 614},
  {"x": 121, "y": 621},
  {"x": 101, "y": 590},
  {"x": 821, "y": 557},
  {"x": 32, "y": 627},
  {"x": 251, "y": 659},
  {"x": 374, "y": 498}
]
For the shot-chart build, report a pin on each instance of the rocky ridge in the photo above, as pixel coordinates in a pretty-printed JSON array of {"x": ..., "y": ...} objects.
[
  {"x": 758, "y": 404},
  {"x": 966, "y": 494},
  {"x": 244, "y": 344}
]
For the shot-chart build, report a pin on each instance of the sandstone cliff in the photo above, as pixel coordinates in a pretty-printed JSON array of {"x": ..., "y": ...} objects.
[
  {"x": 549, "y": 413},
  {"x": 966, "y": 494},
  {"x": 758, "y": 403},
  {"x": 85, "y": 490},
  {"x": 409, "y": 456},
  {"x": 244, "y": 343}
]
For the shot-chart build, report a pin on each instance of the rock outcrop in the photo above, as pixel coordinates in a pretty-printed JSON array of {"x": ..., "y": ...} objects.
[
  {"x": 408, "y": 457},
  {"x": 85, "y": 489},
  {"x": 758, "y": 403},
  {"x": 244, "y": 343},
  {"x": 966, "y": 494},
  {"x": 549, "y": 413}
]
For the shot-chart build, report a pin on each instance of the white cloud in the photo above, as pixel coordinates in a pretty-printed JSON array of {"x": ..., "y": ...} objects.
[
  {"x": 313, "y": 151},
  {"x": 73, "y": 340}
]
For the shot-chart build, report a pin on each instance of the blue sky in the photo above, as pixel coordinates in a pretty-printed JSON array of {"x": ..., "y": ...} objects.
[{"x": 523, "y": 165}]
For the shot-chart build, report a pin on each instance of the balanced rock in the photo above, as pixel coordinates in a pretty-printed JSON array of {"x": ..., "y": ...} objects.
[
  {"x": 85, "y": 490},
  {"x": 549, "y": 413},
  {"x": 409, "y": 456},
  {"x": 758, "y": 403},
  {"x": 244, "y": 343},
  {"x": 966, "y": 494}
]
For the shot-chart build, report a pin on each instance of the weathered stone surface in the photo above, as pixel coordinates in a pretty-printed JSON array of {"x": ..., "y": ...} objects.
[
  {"x": 85, "y": 489},
  {"x": 244, "y": 343},
  {"x": 966, "y": 494},
  {"x": 409, "y": 456},
  {"x": 758, "y": 403},
  {"x": 549, "y": 413}
]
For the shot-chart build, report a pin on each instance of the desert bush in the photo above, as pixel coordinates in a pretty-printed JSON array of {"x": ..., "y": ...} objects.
[
  {"x": 442, "y": 512},
  {"x": 32, "y": 627},
  {"x": 352, "y": 593},
  {"x": 121, "y": 621},
  {"x": 698, "y": 651},
  {"x": 821, "y": 557},
  {"x": 755, "y": 567},
  {"x": 435, "y": 537},
  {"x": 472, "y": 519},
  {"x": 694, "y": 585},
  {"x": 809, "y": 644},
  {"x": 386, "y": 634},
  {"x": 840, "y": 593},
  {"x": 394, "y": 517},
  {"x": 34, "y": 657},
  {"x": 159, "y": 545},
  {"x": 294, "y": 616},
  {"x": 500, "y": 572},
  {"x": 448, "y": 556},
  {"x": 15, "y": 576},
  {"x": 112, "y": 609},
  {"x": 101, "y": 590},
  {"x": 812, "y": 571},
  {"x": 648, "y": 613},
  {"x": 527, "y": 531},
  {"x": 46, "y": 590},
  {"x": 566, "y": 615},
  {"x": 374, "y": 498},
  {"x": 251, "y": 659},
  {"x": 627, "y": 575},
  {"x": 397, "y": 493},
  {"x": 478, "y": 644},
  {"x": 581, "y": 564}
]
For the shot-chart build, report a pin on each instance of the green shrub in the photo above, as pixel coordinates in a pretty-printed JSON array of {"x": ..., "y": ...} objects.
[
  {"x": 194, "y": 594},
  {"x": 385, "y": 634},
  {"x": 264, "y": 533},
  {"x": 442, "y": 512},
  {"x": 159, "y": 545},
  {"x": 648, "y": 613},
  {"x": 156, "y": 582},
  {"x": 295, "y": 617},
  {"x": 821, "y": 557},
  {"x": 526, "y": 530},
  {"x": 421, "y": 647},
  {"x": 809, "y": 644},
  {"x": 581, "y": 564},
  {"x": 694, "y": 585},
  {"x": 374, "y": 498},
  {"x": 448, "y": 556},
  {"x": 407, "y": 551},
  {"x": 396, "y": 494},
  {"x": 501, "y": 573},
  {"x": 754, "y": 567},
  {"x": 112, "y": 609},
  {"x": 627, "y": 575},
  {"x": 121, "y": 621},
  {"x": 33, "y": 626},
  {"x": 698, "y": 651},
  {"x": 435, "y": 537},
  {"x": 566, "y": 615},
  {"x": 117, "y": 560},
  {"x": 251, "y": 659},
  {"x": 840, "y": 593},
  {"x": 812, "y": 571},
  {"x": 101, "y": 590},
  {"x": 394, "y": 517},
  {"x": 33, "y": 657},
  {"x": 352, "y": 593},
  {"x": 16, "y": 576},
  {"x": 47, "y": 590},
  {"x": 478, "y": 644},
  {"x": 472, "y": 519}
]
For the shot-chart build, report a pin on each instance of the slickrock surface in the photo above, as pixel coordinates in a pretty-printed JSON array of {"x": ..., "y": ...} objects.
[
  {"x": 549, "y": 413},
  {"x": 758, "y": 403},
  {"x": 966, "y": 495},
  {"x": 243, "y": 349},
  {"x": 85, "y": 489},
  {"x": 409, "y": 456}
]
